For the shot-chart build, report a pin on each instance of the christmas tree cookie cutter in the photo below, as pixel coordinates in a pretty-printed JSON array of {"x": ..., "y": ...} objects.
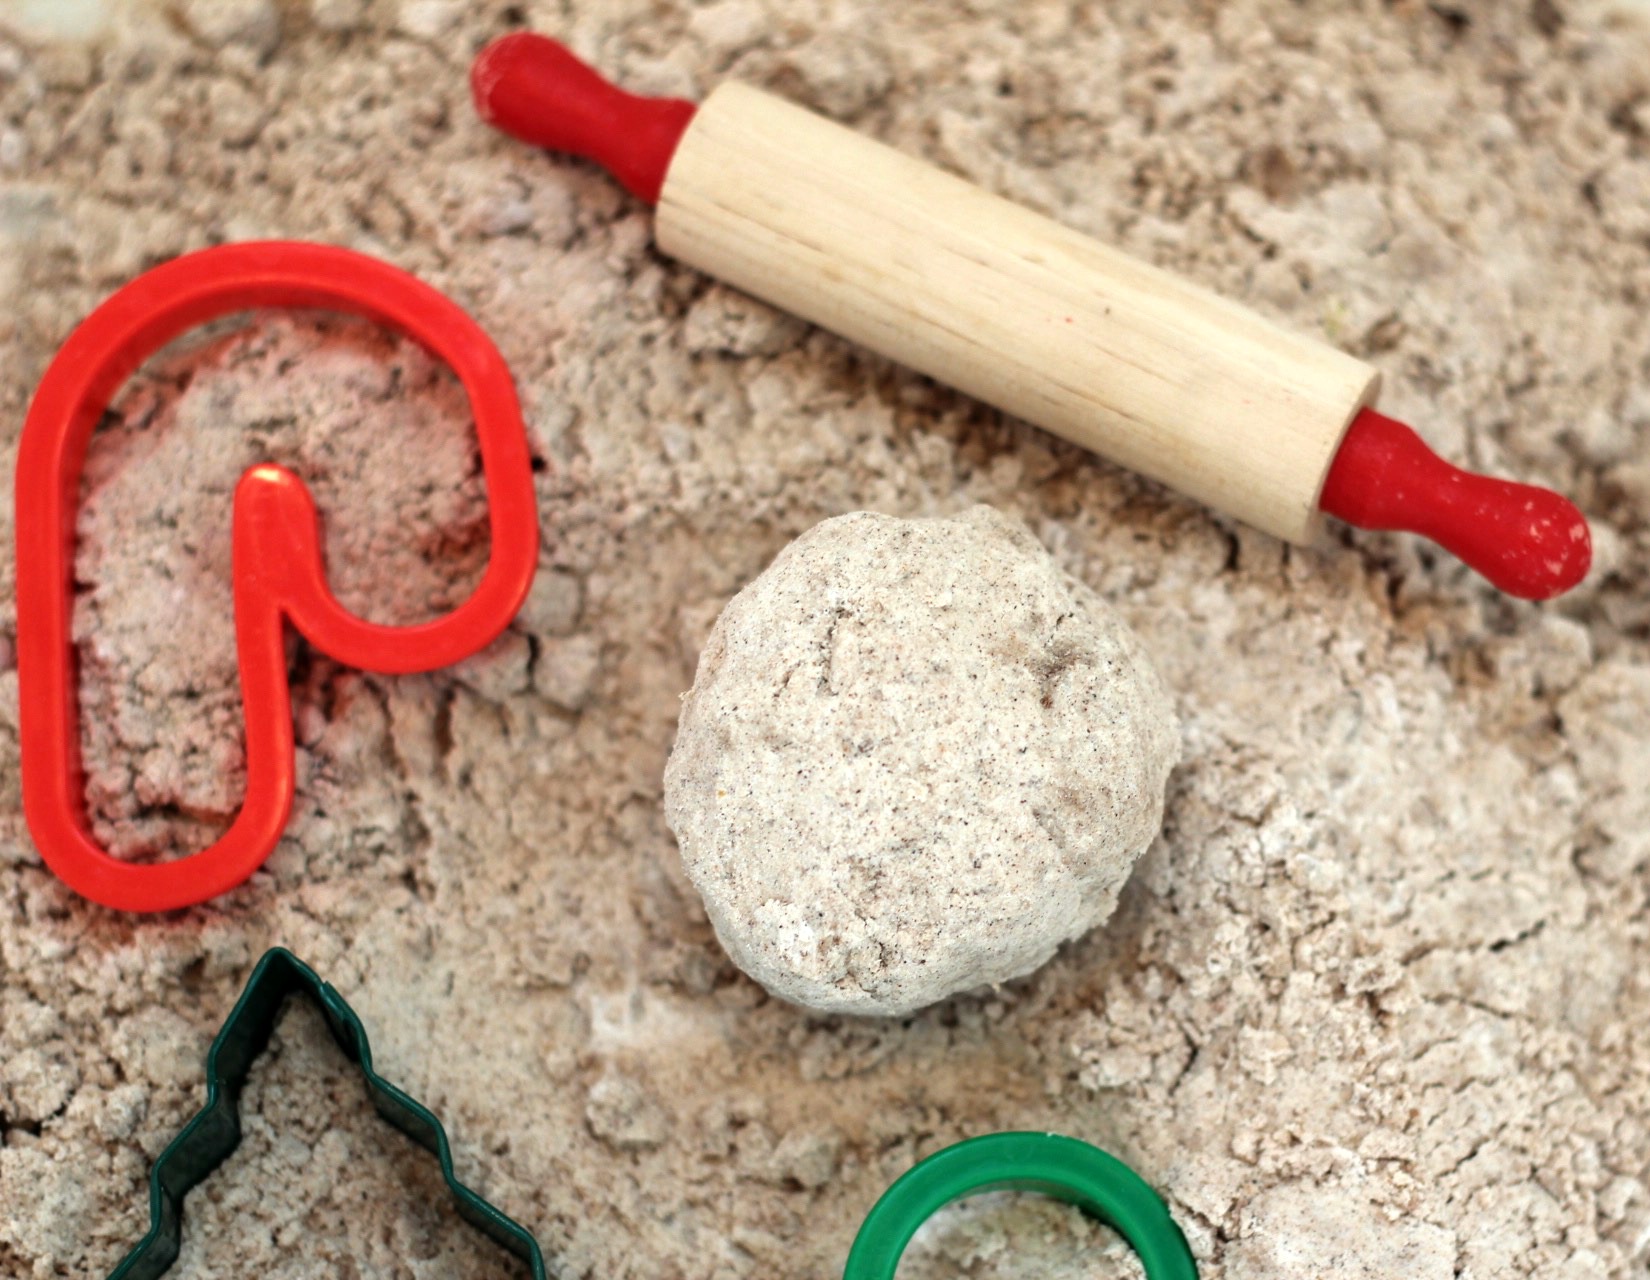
[
  {"x": 215, "y": 1130},
  {"x": 1099, "y": 1184}
]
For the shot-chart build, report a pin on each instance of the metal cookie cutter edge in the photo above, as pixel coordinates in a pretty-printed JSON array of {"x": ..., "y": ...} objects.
[{"x": 215, "y": 1130}]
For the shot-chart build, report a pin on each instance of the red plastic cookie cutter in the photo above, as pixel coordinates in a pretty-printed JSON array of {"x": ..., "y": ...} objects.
[{"x": 278, "y": 570}]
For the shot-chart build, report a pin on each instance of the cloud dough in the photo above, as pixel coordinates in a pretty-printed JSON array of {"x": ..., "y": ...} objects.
[{"x": 916, "y": 758}]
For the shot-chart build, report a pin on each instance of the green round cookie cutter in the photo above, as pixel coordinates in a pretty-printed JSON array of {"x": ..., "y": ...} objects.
[{"x": 1064, "y": 1168}]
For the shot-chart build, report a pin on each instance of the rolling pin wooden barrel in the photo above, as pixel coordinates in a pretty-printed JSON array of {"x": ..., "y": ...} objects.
[
  {"x": 1038, "y": 320},
  {"x": 1043, "y": 322}
]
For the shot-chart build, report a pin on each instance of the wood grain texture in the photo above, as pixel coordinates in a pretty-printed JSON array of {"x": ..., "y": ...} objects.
[{"x": 1037, "y": 319}]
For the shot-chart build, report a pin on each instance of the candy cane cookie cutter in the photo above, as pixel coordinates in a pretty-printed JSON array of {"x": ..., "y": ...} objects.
[{"x": 278, "y": 572}]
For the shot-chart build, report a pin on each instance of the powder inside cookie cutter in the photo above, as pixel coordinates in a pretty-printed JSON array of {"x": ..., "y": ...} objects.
[{"x": 279, "y": 576}]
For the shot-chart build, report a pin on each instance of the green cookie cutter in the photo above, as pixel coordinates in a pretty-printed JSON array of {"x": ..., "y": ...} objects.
[
  {"x": 1101, "y": 1185},
  {"x": 1061, "y": 1167},
  {"x": 215, "y": 1131}
]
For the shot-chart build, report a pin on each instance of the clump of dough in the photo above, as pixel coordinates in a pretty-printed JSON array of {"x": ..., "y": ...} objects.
[{"x": 916, "y": 758}]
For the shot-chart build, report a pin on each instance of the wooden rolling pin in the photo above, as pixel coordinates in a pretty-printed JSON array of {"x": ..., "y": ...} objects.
[{"x": 1045, "y": 323}]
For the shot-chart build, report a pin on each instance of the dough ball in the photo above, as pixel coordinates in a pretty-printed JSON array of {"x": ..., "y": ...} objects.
[{"x": 916, "y": 758}]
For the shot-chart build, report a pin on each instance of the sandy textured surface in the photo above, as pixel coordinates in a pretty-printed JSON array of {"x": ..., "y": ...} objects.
[{"x": 1376, "y": 1005}]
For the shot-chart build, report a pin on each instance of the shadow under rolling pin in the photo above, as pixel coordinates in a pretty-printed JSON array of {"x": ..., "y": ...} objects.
[{"x": 1034, "y": 318}]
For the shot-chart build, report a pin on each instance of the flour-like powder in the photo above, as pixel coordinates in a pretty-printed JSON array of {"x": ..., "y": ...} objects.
[
  {"x": 1377, "y": 1001},
  {"x": 917, "y": 757}
]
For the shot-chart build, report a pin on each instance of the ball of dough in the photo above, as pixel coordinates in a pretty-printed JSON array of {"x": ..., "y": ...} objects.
[{"x": 916, "y": 757}]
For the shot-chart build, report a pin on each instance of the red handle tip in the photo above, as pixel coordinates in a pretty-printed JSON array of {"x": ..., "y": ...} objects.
[
  {"x": 535, "y": 89},
  {"x": 1529, "y": 542}
]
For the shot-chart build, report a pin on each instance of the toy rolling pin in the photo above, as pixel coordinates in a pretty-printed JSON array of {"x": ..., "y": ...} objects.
[{"x": 1027, "y": 315}]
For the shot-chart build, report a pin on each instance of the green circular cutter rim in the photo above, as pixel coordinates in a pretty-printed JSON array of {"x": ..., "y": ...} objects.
[{"x": 1100, "y": 1185}]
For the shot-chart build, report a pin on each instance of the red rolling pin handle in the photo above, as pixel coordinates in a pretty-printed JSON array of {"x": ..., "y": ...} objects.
[
  {"x": 537, "y": 90},
  {"x": 1529, "y": 542}
]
